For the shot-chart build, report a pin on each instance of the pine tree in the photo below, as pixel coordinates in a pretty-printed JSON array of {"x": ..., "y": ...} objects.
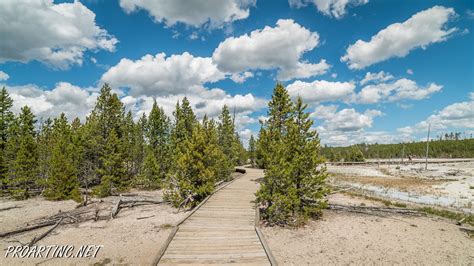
[
  {"x": 252, "y": 154},
  {"x": 279, "y": 112},
  {"x": 62, "y": 183},
  {"x": 24, "y": 167},
  {"x": 227, "y": 141},
  {"x": 215, "y": 157},
  {"x": 195, "y": 174},
  {"x": 6, "y": 118},
  {"x": 158, "y": 132},
  {"x": 293, "y": 187},
  {"x": 112, "y": 171},
  {"x": 44, "y": 141},
  {"x": 108, "y": 141}
]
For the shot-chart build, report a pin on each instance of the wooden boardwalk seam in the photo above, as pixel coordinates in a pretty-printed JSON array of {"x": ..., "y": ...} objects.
[{"x": 222, "y": 230}]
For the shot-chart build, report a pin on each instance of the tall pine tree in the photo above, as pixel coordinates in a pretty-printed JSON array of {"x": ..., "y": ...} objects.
[
  {"x": 293, "y": 186},
  {"x": 6, "y": 118},
  {"x": 62, "y": 183},
  {"x": 23, "y": 173}
]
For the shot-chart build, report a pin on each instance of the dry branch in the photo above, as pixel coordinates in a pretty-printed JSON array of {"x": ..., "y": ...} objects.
[
  {"x": 28, "y": 228},
  {"x": 36, "y": 239},
  {"x": 372, "y": 210},
  {"x": 9, "y": 208}
]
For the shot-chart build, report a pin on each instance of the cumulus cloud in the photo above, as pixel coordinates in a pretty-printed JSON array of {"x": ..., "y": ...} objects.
[
  {"x": 347, "y": 126},
  {"x": 214, "y": 13},
  {"x": 241, "y": 77},
  {"x": 454, "y": 116},
  {"x": 398, "y": 39},
  {"x": 3, "y": 76},
  {"x": 376, "y": 77},
  {"x": 280, "y": 47},
  {"x": 345, "y": 120},
  {"x": 65, "y": 98},
  {"x": 402, "y": 89},
  {"x": 55, "y": 34},
  {"x": 331, "y": 8},
  {"x": 320, "y": 90},
  {"x": 161, "y": 75}
]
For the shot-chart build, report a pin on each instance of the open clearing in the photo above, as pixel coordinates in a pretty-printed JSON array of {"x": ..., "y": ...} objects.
[{"x": 347, "y": 238}]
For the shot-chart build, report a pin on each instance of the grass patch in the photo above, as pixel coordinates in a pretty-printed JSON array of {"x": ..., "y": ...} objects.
[
  {"x": 103, "y": 262},
  {"x": 468, "y": 219},
  {"x": 166, "y": 226},
  {"x": 399, "y": 205},
  {"x": 471, "y": 187}
]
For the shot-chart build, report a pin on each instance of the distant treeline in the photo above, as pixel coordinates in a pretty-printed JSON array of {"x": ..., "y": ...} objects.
[{"x": 451, "y": 148}]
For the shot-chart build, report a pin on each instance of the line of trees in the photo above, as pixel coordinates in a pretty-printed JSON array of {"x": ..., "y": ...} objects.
[
  {"x": 293, "y": 187},
  {"x": 110, "y": 152},
  {"x": 450, "y": 148}
]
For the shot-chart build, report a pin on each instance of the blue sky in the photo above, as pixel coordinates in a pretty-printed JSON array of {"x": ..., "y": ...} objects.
[{"x": 370, "y": 71}]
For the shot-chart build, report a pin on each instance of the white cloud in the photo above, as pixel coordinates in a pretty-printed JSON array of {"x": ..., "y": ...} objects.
[
  {"x": 376, "y": 77},
  {"x": 452, "y": 117},
  {"x": 55, "y": 34},
  {"x": 398, "y": 39},
  {"x": 331, "y": 8},
  {"x": 161, "y": 75},
  {"x": 4, "y": 76},
  {"x": 402, "y": 89},
  {"x": 214, "y": 13},
  {"x": 321, "y": 90},
  {"x": 410, "y": 71},
  {"x": 345, "y": 120},
  {"x": 204, "y": 102},
  {"x": 347, "y": 126},
  {"x": 72, "y": 100},
  {"x": 280, "y": 47},
  {"x": 241, "y": 77}
]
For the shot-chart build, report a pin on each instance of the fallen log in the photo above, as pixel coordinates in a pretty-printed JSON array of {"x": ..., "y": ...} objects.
[
  {"x": 372, "y": 210},
  {"x": 121, "y": 203},
  {"x": 115, "y": 209},
  {"x": 36, "y": 239},
  {"x": 145, "y": 217},
  {"x": 8, "y": 208},
  {"x": 28, "y": 228},
  {"x": 467, "y": 230}
]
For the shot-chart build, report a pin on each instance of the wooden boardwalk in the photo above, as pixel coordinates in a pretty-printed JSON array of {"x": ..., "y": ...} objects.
[{"x": 222, "y": 231}]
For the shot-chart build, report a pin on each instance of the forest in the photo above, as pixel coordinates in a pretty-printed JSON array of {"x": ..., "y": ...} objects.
[
  {"x": 109, "y": 152},
  {"x": 449, "y": 147}
]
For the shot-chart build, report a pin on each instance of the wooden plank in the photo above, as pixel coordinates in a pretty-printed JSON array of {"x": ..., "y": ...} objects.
[{"x": 221, "y": 230}]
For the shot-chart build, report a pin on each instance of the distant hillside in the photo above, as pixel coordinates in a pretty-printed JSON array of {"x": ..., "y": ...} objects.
[{"x": 463, "y": 148}]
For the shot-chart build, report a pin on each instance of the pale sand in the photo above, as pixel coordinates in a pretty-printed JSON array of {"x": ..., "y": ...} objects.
[
  {"x": 345, "y": 238},
  {"x": 126, "y": 240}
]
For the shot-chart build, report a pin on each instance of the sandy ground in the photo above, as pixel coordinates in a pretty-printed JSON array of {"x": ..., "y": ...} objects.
[
  {"x": 125, "y": 239},
  {"x": 346, "y": 238},
  {"x": 449, "y": 185}
]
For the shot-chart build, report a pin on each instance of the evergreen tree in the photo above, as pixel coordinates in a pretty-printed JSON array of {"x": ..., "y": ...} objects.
[
  {"x": 6, "y": 118},
  {"x": 45, "y": 141},
  {"x": 108, "y": 138},
  {"x": 112, "y": 171},
  {"x": 227, "y": 141},
  {"x": 252, "y": 151},
  {"x": 158, "y": 133},
  {"x": 293, "y": 186},
  {"x": 279, "y": 112},
  {"x": 195, "y": 174},
  {"x": 24, "y": 167},
  {"x": 62, "y": 183}
]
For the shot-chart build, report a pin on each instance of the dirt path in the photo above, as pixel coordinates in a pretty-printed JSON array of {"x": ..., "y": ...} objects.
[{"x": 221, "y": 231}]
